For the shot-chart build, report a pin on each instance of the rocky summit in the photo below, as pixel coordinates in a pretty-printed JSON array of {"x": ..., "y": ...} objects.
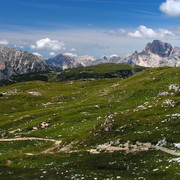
[
  {"x": 61, "y": 62},
  {"x": 155, "y": 54},
  {"x": 159, "y": 48},
  {"x": 13, "y": 61}
]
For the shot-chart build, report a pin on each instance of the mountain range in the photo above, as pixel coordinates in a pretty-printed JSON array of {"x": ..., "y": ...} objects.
[
  {"x": 13, "y": 61},
  {"x": 61, "y": 62},
  {"x": 155, "y": 54},
  {"x": 106, "y": 121}
]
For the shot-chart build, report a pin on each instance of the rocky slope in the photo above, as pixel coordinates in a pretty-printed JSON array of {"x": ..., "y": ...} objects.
[
  {"x": 13, "y": 61},
  {"x": 61, "y": 62},
  {"x": 85, "y": 60},
  {"x": 155, "y": 54}
]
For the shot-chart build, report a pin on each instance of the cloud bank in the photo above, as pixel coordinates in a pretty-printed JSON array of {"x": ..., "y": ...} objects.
[
  {"x": 144, "y": 32},
  {"x": 73, "y": 49},
  {"x": 171, "y": 8},
  {"x": 4, "y": 42},
  {"x": 96, "y": 42},
  {"x": 49, "y": 44}
]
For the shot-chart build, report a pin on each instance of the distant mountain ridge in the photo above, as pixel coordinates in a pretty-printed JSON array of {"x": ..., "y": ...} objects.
[
  {"x": 13, "y": 62},
  {"x": 155, "y": 54},
  {"x": 61, "y": 62},
  {"x": 85, "y": 60}
]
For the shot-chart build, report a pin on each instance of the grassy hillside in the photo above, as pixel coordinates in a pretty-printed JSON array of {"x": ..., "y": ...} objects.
[
  {"x": 46, "y": 76},
  {"x": 97, "y": 72},
  {"x": 85, "y": 114},
  {"x": 100, "y": 71}
]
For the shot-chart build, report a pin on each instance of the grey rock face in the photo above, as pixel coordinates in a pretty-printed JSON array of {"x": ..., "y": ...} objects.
[
  {"x": 13, "y": 61},
  {"x": 85, "y": 60},
  {"x": 61, "y": 62},
  {"x": 159, "y": 48},
  {"x": 155, "y": 54}
]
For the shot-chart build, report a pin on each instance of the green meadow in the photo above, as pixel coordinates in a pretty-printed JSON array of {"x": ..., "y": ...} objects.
[{"x": 85, "y": 112}]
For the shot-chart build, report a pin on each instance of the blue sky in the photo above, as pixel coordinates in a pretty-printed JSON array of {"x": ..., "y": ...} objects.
[{"x": 94, "y": 27}]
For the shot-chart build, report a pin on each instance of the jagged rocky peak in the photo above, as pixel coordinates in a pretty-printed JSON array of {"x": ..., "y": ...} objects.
[
  {"x": 13, "y": 61},
  {"x": 155, "y": 54},
  {"x": 160, "y": 48},
  {"x": 61, "y": 57},
  {"x": 61, "y": 62},
  {"x": 85, "y": 58}
]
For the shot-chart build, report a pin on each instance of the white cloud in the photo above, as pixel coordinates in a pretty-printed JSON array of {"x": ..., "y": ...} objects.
[
  {"x": 52, "y": 54},
  {"x": 70, "y": 54},
  {"x": 165, "y": 32},
  {"x": 73, "y": 49},
  {"x": 148, "y": 33},
  {"x": 143, "y": 32},
  {"x": 49, "y": 45},
  {"x": 171, "y": 8},
  {"x": 4, "y": 42},
  {"x": 136, "y": 34},
  {"x": 37, "y": 54}
]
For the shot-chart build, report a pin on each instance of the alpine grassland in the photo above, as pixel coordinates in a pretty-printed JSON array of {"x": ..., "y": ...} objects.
[{"x": 92, "y": 128}]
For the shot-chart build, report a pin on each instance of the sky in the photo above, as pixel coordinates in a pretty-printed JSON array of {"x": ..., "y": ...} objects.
[{"x": 87, "y": 27}]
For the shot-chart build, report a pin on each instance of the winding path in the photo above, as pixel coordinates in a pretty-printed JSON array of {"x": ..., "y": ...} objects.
[
  {"x": 166, "y": 150},
  {"x": 57, "y": 144}
]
